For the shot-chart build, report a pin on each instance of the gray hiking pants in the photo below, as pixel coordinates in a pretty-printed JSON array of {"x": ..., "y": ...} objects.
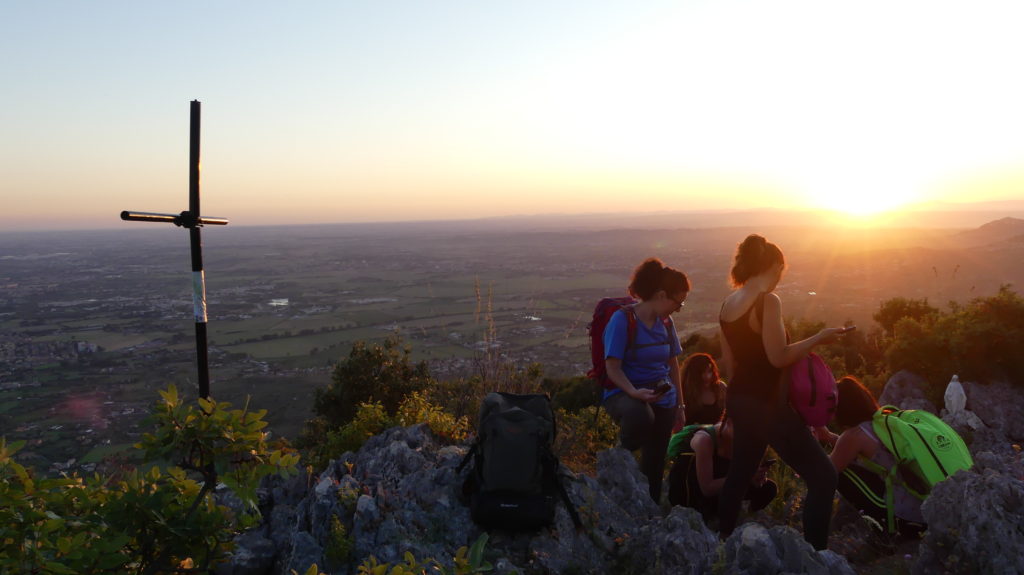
[{"x": 645, "y": 427}]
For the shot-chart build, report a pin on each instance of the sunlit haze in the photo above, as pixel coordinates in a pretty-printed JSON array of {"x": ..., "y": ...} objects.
[{"x": 392, "y": 111}]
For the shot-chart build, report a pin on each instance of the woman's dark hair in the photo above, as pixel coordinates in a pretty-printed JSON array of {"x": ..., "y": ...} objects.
[
  {"x": 693, "y": 379},
  {"x": 754, "y": 256},
  {"x": 856, "y": 404},
  {"x": 653, "y": 276}
]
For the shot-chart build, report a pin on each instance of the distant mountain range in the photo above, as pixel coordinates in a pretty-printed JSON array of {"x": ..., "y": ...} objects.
[
  {"x": 925, "y": 215},
  {"x": 1002, "y": 230}
]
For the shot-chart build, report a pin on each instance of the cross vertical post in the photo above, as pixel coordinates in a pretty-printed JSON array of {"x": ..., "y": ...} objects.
[{"x": 191, "y": 220}]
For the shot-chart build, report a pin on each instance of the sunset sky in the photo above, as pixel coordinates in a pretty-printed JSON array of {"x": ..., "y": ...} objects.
[{"x": 399, "y": 110}]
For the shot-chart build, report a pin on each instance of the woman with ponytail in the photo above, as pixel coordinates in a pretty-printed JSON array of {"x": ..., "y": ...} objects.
[
  {"x": 755, "y": 351},
  {"x": 647, "y": 399}
]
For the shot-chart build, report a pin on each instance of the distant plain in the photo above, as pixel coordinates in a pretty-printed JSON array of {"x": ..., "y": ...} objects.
[{"x": 285, "y": 303}]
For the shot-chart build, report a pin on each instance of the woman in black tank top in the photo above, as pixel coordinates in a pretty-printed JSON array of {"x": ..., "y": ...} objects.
[{"x": 755, "y": 351}]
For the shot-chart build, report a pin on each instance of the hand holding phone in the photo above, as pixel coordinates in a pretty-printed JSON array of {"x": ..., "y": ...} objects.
[
  {"x": 849, "y": 328},
  {"x": 663, "y": 388}
]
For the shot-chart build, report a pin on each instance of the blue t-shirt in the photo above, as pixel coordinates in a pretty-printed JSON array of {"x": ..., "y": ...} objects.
[{"x": 645, "y": 363}]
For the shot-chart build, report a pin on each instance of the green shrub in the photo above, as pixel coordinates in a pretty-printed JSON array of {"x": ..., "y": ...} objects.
[
  {"x": 572, "y": 393},
  {"x": 980, "y": 341},
  {"x": 416, "y": 408},
  {"x": 581, "y": 434},
  {"x": 161, "y": 520},
  {"x": 380, "y": 373}
]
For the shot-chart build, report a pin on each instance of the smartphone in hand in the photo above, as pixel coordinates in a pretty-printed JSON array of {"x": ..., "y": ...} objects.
[
  {"x": 849, "y": 328},
  {"x": 663, "y": 388}
]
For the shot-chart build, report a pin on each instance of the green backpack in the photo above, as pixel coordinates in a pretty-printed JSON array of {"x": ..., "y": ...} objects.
[
  {"x": 925, "y": 448},
  {"x": 680, "y": 456},
  {"x": 680, "y": 441}
]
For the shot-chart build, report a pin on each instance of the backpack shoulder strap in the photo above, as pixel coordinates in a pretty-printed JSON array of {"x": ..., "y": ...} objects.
[
  {"x": 554, "y": 468},
  {"x": 631, "y": 320}
]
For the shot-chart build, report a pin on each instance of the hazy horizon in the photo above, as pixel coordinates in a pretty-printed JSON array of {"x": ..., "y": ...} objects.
[{"x": 926, "y": 215}]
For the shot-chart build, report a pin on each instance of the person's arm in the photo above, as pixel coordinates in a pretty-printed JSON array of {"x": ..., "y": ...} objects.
[
  {"x": 677, "y": 382},
  {"x": 613, "y": 368},
  {"x": 848, "y": 447},
  {"x": 703, "y": 450},
  {"x": 773, "y": 334}
]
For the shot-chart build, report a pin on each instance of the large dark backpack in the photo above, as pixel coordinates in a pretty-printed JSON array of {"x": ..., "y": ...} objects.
[
  {"x": 603, "y": 312},
  {"x": 514, "y": 482}
]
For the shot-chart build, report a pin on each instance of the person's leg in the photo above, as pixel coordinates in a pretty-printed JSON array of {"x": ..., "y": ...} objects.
[
  {"x": 795, "y": 444},
  {"x": 761, "y": 495},
  {"x": 865, "y": 491},
  {"x": 635, "y": 419},
  {"x": 678, "y": 480},
  {"x": 652, "y": 456},
  {"x": 748, "y": 446}
]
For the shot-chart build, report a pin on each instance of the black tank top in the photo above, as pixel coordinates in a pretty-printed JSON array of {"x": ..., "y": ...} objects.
[
  {"x": 703, "y": 413},
  {"x": 754, "y": 375}
]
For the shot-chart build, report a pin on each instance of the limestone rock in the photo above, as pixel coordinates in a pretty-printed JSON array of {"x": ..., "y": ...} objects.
[
  {"x": 974, "y": 521},
  {"x": 756, "y": 550},
  {"x": 679, "y": 543},
  {"x": 906, "y": 390},
  {"x": 253, "y": 555},
  {"x": 999, "y": 405}
]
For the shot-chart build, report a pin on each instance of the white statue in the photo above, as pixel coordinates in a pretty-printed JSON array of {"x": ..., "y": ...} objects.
[{"x": 956, "y": 399}]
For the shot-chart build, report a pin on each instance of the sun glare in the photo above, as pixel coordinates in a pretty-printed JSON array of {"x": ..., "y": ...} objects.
[{"x": 863, "y": 205}]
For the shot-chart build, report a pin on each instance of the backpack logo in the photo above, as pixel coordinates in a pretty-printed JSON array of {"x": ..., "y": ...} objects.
[{"x": 942, "y": 442}]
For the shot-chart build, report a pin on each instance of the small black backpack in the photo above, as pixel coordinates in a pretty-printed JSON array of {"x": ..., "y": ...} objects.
[{"x": 514, "y": 482}]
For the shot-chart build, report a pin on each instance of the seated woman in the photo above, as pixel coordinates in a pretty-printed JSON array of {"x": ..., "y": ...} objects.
[
  {"x": 700, "y": 465},
  {"x": 703, "y": 391},
  {"x": 862, "y": 488}
]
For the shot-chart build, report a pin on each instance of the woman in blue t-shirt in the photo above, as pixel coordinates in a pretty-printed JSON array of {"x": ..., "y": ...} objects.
[{"x": 647, "y": 399}]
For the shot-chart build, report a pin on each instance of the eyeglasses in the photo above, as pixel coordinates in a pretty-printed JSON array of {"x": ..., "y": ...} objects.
[{"x": 679, "y": 302}]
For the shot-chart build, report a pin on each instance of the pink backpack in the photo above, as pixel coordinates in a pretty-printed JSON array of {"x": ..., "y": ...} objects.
[{"x": 812, "y": 390}]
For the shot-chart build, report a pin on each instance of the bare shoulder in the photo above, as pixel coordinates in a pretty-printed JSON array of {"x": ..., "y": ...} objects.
[
  {"x": 700, "y": 440},
  {"x": 736, "y": 304}
]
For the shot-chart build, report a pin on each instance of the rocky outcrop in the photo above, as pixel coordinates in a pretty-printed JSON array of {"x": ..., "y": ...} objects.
[
  {"x": 906, "y": 390},
  {"x": 400, "y": 493},
  {"x": 1000, "y": 406},
  {"x": 756, "y": 550},
  {"x": 974, "y": 520}
]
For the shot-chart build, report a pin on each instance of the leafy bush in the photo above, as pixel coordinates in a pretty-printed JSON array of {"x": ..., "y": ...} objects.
[
  {"x": 153, "y": 521},
  {"x": 581, "y": 434},
  {"x": 890, "y": 312},
  {"x": 572, "y": 393},
  {"x": 980, "y": 341},
  {"x": 416, "y": 408},
  {"x": 379, "y": 373},
  {"x": 370, "y": 419}
]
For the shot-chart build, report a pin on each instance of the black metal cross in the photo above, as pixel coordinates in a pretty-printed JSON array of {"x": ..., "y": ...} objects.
[{"x": 193, "y": 221}]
